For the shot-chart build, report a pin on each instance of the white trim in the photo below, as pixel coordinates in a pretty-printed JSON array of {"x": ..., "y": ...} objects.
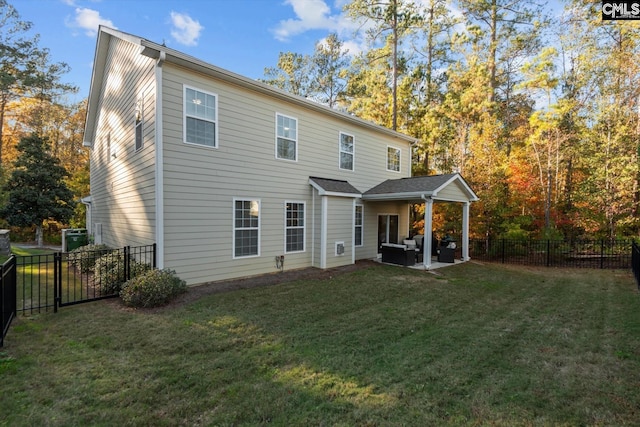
[
  {"x": 353, "y": 152},
  {"x": 323, "y": 192},
  {"x": 313, "y": 228},
  {"x": 428, "y": 233},
  {"x": 353, "y": 232},
  {"x": 458, "y": 177},
  {"x": 233, "y": 231},
  {"x": 465, "y": 231},
  {"x": 159, "y": 166},
  {"x": 185, "y": 115},
  {"x": 286, "y": 138},
  {"x": 386, "y": 158},
  {"x": 304, "y": 226},
  {"x": 323, "y": 233}
]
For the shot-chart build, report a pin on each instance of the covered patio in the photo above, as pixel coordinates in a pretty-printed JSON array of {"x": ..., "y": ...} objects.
[{"x": 427, "y": 190}]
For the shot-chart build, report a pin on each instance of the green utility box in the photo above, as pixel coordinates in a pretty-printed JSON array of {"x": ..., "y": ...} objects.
[{"x": 75, "y": 238}]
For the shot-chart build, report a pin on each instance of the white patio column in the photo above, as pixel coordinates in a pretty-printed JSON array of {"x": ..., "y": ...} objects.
[
  {"x": 428, "y": 232},
  {"x": 465, "y": 231}
]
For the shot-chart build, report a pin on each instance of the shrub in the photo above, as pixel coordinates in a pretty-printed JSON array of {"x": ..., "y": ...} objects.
[
  {"x": 84, "y": 257},
  {"x": 109, "y": 271},
  {"x": 152, "y": 289}
]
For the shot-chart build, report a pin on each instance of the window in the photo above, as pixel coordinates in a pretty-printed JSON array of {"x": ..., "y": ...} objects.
[
  {"x": 138, "y": 124},
  {"x": 294, "y": 227},
  {"x": 246, "y": 228},
  {"x": 393, "y": 159},
  {"x": 200, "y": 117},
  {"x": 358, "y": 225},
  {"x": 286, "y": 138},
  {"x": 346, "y": 151}
]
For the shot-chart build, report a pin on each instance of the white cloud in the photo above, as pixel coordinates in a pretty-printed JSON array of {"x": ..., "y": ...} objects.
[
  {"x": 89, "y": 20},
  {"x": 311, "y": 15},
  {"x": 185, "y": 30}
]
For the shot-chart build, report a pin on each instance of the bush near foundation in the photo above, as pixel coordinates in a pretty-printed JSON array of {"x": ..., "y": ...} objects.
[
  {"x": 152, "y": 289},
  {"x": 109, "y": 272},
  {"x": 84, "y": 258}
]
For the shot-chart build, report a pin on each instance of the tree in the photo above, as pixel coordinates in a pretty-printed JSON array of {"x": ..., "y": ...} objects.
[
  {"x": 291, "y": 74},
  {"x": 329, "y": 63},
  {"x": 15, "y": 51},
  {"x": 392, "y": 21},
  {"x": 36, "y": 188}
]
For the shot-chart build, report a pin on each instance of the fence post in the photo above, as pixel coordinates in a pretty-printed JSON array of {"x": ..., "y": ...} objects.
[
  {"x": 548, "y": 252},
  {"x": 127, "y": 266},
  {"x": 601, "y": 254},
  {"x": 57, "y": 280},
  {"x": 3, "y": 286},
  {"x": 155, "y": 248}
]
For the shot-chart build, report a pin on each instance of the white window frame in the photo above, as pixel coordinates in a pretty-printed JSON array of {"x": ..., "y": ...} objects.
[
  {"x": 235, "y": 228},
  {"x": 356, "y": 225},
  {"x": 185, "y": 116},
  {"x": 297, "y": 227},
  {"x": 138, "y": 124},
  {"x": 399, "y": 151},
  {"x": 352, "y": 153},
  {"x": 295, "y": 140}
]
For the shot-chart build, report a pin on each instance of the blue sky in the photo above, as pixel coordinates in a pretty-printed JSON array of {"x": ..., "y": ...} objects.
[{"x": 243, "y": 36}]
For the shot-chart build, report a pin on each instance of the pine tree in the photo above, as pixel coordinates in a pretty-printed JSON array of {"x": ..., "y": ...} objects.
[{"x": 36, "y": 188}]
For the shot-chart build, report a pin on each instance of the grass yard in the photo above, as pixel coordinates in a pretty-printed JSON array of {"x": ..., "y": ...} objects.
[{"x": 473, "y": 345}]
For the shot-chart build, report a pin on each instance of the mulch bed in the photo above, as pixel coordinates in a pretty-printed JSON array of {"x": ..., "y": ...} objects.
[{"x": 198, "y": 291}]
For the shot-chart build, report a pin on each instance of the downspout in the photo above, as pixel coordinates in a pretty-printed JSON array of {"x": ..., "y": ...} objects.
[{"x": 159, "y": 164}]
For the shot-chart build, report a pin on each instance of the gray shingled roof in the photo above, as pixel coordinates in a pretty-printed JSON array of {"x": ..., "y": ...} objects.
[
  {"x": 335, "y": 186},
  {"x": 416, "y": 187},
  {"x": 416, "y": 184}
]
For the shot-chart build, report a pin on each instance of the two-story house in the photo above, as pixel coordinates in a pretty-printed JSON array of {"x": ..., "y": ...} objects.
[{"x": 225, "y": 173}]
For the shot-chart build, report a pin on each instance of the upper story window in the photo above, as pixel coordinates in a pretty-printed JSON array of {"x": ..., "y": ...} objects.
[
  {"x": 346, "y": 151},
  {"x": 393, "y": 159},
  {"x": 286, "y": 138},
  {"x": 200, "y": 117},
  {"x": 138, "y": 125}
]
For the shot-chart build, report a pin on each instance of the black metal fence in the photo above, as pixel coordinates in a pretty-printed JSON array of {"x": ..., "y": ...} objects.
[
  {"x": 47, "y": 282},
  {"x": 635, "y": 262},
  {"x": 7, "y": 295},
  {"x": 601, "y": 254}
]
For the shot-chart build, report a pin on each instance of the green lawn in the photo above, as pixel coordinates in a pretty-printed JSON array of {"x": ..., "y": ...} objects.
[{"x": 473, "y": 345}]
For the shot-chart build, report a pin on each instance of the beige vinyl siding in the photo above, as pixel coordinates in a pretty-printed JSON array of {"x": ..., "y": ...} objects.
[
  {"x": 371, "y": 213},
  {"x": 123, "y": 187},
  {"x": 200, "y": 183},
  {"x": 316, "y": 229},
  {"x": 453, "y": 192},
  {"x": 339, "y": 229}
]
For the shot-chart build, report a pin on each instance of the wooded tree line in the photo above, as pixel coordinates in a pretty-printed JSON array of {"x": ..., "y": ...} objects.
[
  {"x": 41, "y": 151},
  {"x": 536, "y": 108}
]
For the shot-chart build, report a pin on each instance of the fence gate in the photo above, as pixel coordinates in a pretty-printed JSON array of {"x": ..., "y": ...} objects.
[
  {"x": 60, "y": 279},
  {"x": 36, "y": 283},
  {"x": 7, "y": 295}
]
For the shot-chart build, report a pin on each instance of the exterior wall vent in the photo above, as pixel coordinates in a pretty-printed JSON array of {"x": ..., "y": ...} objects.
[{"x": 339, "y": 248}]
